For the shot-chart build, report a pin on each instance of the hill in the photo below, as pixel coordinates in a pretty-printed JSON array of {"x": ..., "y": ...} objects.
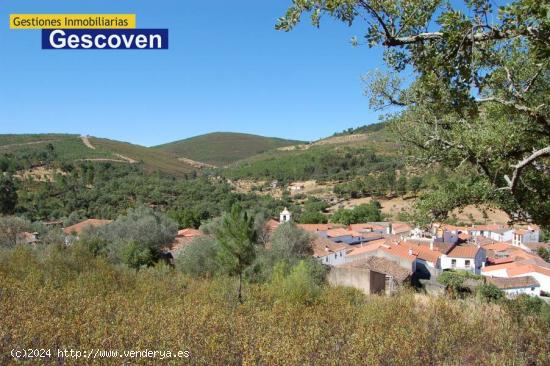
[
  {"x": 33, "y": 150},
  {"x": 223, "y": 148},
  {"x": 340, "y": 157}
]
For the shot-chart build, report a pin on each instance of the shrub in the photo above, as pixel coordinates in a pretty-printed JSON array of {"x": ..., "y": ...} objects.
[
  {"x": 299, "y": 286},
  {"x": 489, "y": 292},
  {"x": 136, "y": 255},
  {"x": 362, "y": 213},
  {"x": 10, "y": 226},
  {"x": 199, "y": 259}
]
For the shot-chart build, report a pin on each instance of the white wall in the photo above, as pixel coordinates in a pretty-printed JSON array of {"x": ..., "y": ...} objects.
[
  {"x": 475, "y": 263},
  {"x": 532, "y": 291},
  {"x": 542, "y": 279},
  {"x": 334, "y": 259}
]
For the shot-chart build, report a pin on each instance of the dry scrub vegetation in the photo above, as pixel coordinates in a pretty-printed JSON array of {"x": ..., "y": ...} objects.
[{"x": 60, "y": 297}]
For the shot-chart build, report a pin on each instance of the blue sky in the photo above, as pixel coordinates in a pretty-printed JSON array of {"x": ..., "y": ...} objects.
[{"x": 227, "y": 70}]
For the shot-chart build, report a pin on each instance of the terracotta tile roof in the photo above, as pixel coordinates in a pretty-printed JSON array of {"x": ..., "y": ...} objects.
[
  {"x": 497, "y": 246},
  {"x": 494, "y": 261},
  {"x": 179, "y": 243},
  {"x": 271, "y": 224},
  {"x": 312, "y": 228},
  {"x": 515, "y": 269},
  {"x": 190, "y": 233},
  {"x": 399, "y": 251},
  {"x": 463, "y": 251},
  {"x": 514, "y": 282},
  {"x": 369, "y": 247},
  {"x": 400, "y": 227},
  {"x": 381, "y": 265},
  {"x": 77, "y": 228},
  {"x": 366, "y": 226},
  {"x": 530, "y": 268},
  {"x": 334, "y": 233},
  {"x": 322, "y": 247}
]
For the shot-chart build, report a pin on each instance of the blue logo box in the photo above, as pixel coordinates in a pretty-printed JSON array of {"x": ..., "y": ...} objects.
[{"x": 105, "y": 39}]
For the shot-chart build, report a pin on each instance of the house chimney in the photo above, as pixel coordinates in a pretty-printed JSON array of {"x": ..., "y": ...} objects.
[
  {"x": 410, "y": 251},
  {"x": 432, "y": 243}
]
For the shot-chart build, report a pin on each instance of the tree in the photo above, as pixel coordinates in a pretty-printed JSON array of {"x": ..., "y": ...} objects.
[
  {"x": 198, "y": 259},
  {"x": 313, "y": 217},
  {"x": 135, "y": 239},
  {"x": 362, "y": 213},
  {"x": 544, "y": 253},
  {"x": 236, "y": 236},
  {"x": 10, "y": 226},
  {"x": 401, "y": 185},
  {"x": 8, "y": 195},
  {"x": 489, "y": 292},
  {"x": 289, "y": 241},
  {"x": 479, "y": 97}
]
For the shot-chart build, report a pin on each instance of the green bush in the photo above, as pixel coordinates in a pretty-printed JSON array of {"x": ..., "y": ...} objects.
[
  {"x": 489, "y": 292},
  {"x": 199, "y": 259}
]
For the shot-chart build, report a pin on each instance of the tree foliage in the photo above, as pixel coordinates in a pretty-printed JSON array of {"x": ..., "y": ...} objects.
[
  {"x": 237, "y": 236},
  {"x": 8, "y": 195},
  {"x": 359, "y": 214}
]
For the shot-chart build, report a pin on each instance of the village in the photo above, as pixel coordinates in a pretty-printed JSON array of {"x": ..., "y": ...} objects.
[{"x": 381, "y": 257}]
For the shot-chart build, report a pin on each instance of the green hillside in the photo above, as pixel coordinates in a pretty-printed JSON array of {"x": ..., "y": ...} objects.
[
  {"x": 31, "y": 150},
  {"x": 222, "y": 148},
  {"x": 340, "y": 157}
]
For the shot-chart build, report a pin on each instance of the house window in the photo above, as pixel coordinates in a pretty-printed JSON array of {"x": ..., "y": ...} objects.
[
  {"x": 340, "y": 254},
  {"x": 532, "y": 289},
  {"x": 467, "y": 263},
  {"x": 326, "y": 259},
  {"x": 335, "y": 256},
  {"x": 453, "y": 263}
]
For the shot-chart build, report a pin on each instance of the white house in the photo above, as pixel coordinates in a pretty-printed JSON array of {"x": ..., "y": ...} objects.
[
  {"x": 468, "y": 257},
  {"x": 494, "y": 232},
  {"x": 537, "y": 269},
  {"x": 515, "y": 286},
  {"x": 523, "y": 236},
  {"x": 329, "y": 252}
]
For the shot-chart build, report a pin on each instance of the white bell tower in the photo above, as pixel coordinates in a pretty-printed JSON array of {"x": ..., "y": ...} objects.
[{"x": 285, "y": 216}]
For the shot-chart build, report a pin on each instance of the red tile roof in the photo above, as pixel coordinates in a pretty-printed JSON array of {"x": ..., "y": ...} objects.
[
  {"x": 369, "y": 247},
  {"x": 399, "y": 251},
  {"x": 366, "y": 226},
  {"x": 312, "y": 228},
  {"x": 515, "y": 269},
  {"x": 77, "y": 228},
  {"x": 322, "y": 247},
  {"x": 514, "y": 282},
  {"x": 190, "y": 233},
  {"x": 271, "y": 224},
  {"x": 463, "y": 251}
]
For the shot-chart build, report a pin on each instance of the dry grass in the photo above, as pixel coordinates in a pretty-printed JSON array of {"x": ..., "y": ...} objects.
[{"x": 66, "y": 299}]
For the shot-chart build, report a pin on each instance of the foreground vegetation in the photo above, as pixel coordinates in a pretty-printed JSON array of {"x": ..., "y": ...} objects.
[{"x": 63, "y": 297}]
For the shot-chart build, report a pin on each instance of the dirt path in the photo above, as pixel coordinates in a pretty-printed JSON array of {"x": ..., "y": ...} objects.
[
  {"x": 196, "y": 164},
  {"x": 129, "y": 160},
  {"x": 86, "y": 141}
]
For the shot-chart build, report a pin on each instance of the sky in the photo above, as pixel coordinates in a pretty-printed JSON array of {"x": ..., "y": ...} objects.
[{"x": 227, "y": 69}]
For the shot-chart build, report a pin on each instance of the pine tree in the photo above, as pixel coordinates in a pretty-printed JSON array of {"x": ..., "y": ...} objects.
[{"x": 236, "y": 236}]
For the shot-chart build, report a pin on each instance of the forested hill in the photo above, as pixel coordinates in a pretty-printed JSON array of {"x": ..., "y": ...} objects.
[
  {"x": 222, "y": 148},
  {"x": 34, "y": 150},
  {"x": 355, "y": 152}
]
